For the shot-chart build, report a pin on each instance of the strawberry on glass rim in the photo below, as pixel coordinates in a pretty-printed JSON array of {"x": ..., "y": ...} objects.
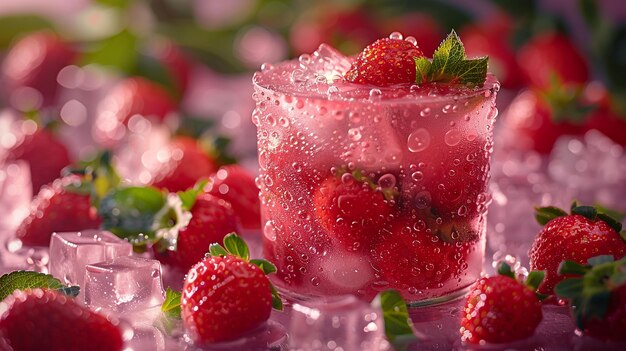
[{"x": 373, "y": 168}]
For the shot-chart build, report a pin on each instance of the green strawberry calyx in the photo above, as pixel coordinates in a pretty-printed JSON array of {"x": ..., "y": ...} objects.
[
  {"x": 234, "y": 245},
  {"x": 543, "y": 215},
  {"x": 589, "y": 286},
  {"x": 532, "y": 281},
  {"x": 450, "y": 65}
]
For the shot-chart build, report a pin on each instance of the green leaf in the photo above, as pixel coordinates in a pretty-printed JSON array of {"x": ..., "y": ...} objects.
[
  {"x": 216, "y": 249},
  {"x": 602, "y": 259},
  {"x": 189, "y": 196},
  {"x": 266, "y": 266},
  {"x": 396, "y": 317},
  {"x": 449, "y": 64},
  {"x": 422, "y": 66},
  {"x": 571, "y": 267},
  {"x": 585, "y": 211},
  {"x": 569, "y": 288},
  {"x": 612, "y": 222},
  {"x": 217, "y": 147},
  {"x": 114, "y": 3},
  {"x": 118, "y": 51},
  {"x": 236, "y": 246},
  {"x": 171, "y": 305},
  {"x": 277, "y": 302},
  {"x": 21, "y": 280},
  {"x": 130, "y": 211},
  {"x": 15, "y": 26},
  {"x": 534, "y": 279},
  {"x": 504, "y": 269},
  {"x": 154, "y": 70},
  {"x": 543, "y": 215}
]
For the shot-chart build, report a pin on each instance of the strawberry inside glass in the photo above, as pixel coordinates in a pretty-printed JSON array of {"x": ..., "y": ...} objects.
[{"x": 373, "y": 169}]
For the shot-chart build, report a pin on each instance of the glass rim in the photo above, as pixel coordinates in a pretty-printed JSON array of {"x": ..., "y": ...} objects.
[{"x": 491, "y": 84}]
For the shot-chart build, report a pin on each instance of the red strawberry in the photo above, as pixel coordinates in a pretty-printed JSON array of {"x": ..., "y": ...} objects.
[
  {"x": 131, "y": 96},
  {"x": 57, "y": 208},
  {"x": 176, "y": 63},
  {"x": 351, "y": 210},
  {"x": 579, "y": 236},
  {"x": 535, "y": 125},
  {"x": 211, "y": 220},
  {"x": 409, "y": 257},
  {"x": 225, "y": 296},
  {"x": 187, "y": 164},
  {"x": 548, "y": 54},
  {"x": 610, "y": 123},
  {"x": 45, "y": 154},
  {"x": 236, "y": 185},
  {"x": 34, "y": 62},
  {"x": 385, "y": 62},
  {"x": 500, "y": 309},
  {"x": 47, "y": 320},
  {"x": 597, "y": 294}
]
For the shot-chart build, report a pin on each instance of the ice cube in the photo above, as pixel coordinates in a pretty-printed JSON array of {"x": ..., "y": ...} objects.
[
  {"x": 123, "y": 285},
  {"x": 345, "y": 323},
  {"x": 346, "y": 272},
  {"x": 70, "y": 252},
  {"x": 146, "y": 337}
]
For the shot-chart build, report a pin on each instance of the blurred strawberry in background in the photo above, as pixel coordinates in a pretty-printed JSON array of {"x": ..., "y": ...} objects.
[
  {"x": 421, "y": 26},
  {"x": 34, "y": 62}
]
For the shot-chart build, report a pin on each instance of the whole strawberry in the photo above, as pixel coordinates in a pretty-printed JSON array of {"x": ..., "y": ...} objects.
[
  {"x": 501, "y": 309},
  {"x": 45, "y": 154},
  {"x": 187, "y": 164},
  {"x": 351, "y": 208},
  {"x": 59, "y": 207},
  {"x": 385, "y": 62},
  {"x": 408, "y": 257},
  {"x": 227, "y": 295},
  {"x": 34, "y": 62},
  {"x": 235, "y": 184},
  {"x": 211, "y": 219},
  {"x": 48, "y": 320},
  {"x": 597, "y": 294},
  {"x": 552, "y": 54},
  {"x": 583, "y": 234}
]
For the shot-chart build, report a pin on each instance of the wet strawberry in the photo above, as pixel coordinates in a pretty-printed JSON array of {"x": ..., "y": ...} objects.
[
  {"x": 409, "y": 257},
  {"x": 212, "y": 218},
  {"x": 501, "y": 309},
  {"x": 58, "y": 207},
  {"x": 385, "y": 62},
  {"x": 34, "y": 62},
  {"x": 552, "y": 54},
  {"x": 47, "y": 320},
  {"x": 236, "y": 185},
  {"x": 583, "y": 234},
  {"x": 44, "y": 153},
  {"x": 351, "y": 209},
  {"x": 187, "y": 164},
  {"x": 227, "y": 295},
  {"x": 597, "y": 294}
]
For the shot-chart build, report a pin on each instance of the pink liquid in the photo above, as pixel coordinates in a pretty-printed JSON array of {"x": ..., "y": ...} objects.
[{"x": 365, "y": 189}]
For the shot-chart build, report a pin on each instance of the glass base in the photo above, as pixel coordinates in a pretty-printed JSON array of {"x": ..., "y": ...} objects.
[{"x": 454, "y": 295}]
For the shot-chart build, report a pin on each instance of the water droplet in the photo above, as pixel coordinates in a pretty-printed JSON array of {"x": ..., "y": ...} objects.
[
  {"x": 425, "y": 112},
  {"x": 375, "y": 94},
  {"x": 423, "y": 199},
  {"x": 355, "y": 134},
  {"x": 417, "y": 176},
  {"x": 305, "y": 60},
  {"x": 315, "y": 281},
  {"x": 411, "y": 40},
  {"x": 414, "y": 89},
  {"x": 396, "y": 36},
  {"x": 419, "y": 140},
  {"x": 387, "y": 181},
  {"x": 453, "y": 137},
  {"x": 266, "y": 67},
  {"x": 462, "y": 211}
]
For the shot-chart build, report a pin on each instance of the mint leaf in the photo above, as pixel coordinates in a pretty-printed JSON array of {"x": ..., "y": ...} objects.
[
  {"x": 189, "y": 196},
  {"x": 422, "y": 66},
  {"x": 21, "y": 280},
  {"x": 505, "y": 269},
  {"x": 398, "y": 327},
  {"x": 171, "y": 305},
  {"x": 236, "y": 246},
  {"x": 450, "y": 65},
  {"x": 266, "y": 266}
]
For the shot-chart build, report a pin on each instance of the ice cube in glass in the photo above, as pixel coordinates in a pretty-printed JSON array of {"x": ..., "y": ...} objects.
[
  {"x": 70, "y": 252},
  {"x": 125, "y": 284}
]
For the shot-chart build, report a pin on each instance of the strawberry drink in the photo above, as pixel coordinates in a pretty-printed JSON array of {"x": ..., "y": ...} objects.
[{"x": 373, "y": 169}]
